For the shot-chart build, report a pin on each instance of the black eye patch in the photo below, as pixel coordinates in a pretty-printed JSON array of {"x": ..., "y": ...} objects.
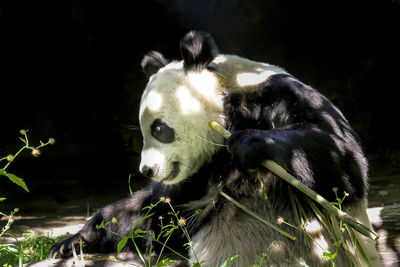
[{"x": 162, "y": 132}]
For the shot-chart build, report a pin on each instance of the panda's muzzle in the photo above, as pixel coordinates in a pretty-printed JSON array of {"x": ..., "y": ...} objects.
[{"x": 174, "y": 172}]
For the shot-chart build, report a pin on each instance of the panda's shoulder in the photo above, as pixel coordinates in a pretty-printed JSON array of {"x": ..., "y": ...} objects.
[{"x": 241, "y": 75}]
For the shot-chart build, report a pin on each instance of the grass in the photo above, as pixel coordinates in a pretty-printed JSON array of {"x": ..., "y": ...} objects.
[{"x": 32, "y": 248}]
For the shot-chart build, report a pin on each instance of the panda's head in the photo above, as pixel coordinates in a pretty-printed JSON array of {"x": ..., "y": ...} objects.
[{"x": 177, "y": 103}]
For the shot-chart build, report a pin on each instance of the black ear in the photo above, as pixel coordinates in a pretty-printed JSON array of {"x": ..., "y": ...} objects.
[
  {"x": 198, "y": 49},
  {"x": 152, "y": 62}
]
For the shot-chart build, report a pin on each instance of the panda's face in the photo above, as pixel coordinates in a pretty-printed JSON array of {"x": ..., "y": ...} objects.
[{"x": 174, "y": 112}]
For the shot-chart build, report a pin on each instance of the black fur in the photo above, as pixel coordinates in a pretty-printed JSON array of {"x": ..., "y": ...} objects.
[
  {"x": 162, "y": 132},
  {"x": 198, "y": 49},
  {"x": 285, "y": 121},
  {"x": 294, "y": 125},
  {"x": 128, "y": 211},
  {"x": 152, "y": 62}
]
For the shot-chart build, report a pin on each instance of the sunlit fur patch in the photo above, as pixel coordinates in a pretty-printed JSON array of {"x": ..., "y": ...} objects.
[
  {"x": 278, "y": 248},
  {"x": 151, "y": 101},
  {"x": 240, "y": 74},
  {"x": 206, "y": 84},
  {"x": 313, "y": 227},
  {"x": 320, "y": 245},
  {"x": 253, "y": 78},
  {"x": 187, "y": 102},
  {"x": 219, "y": 59}
]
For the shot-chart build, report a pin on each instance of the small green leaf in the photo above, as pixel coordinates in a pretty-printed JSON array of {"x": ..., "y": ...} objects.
[
  {"x": 2, "y": 171},
  {"x": 22, "y": 139},
  {"x": 2, "y": 198},
  {"x": 121, "y": 244},
  {"x": 228, "y": 261},
  {"x": 198, "y": 264},
  {"x": 169, "y": 232},
  {"x": 11, "y": 248},
  {"x": 165, "y": 262},
  {"x": 17, "y": 180},
  {"x": 140, "y": 231}
]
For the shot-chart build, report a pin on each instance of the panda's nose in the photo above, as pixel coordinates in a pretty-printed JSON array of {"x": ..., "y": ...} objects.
[{"x": 147, "y": 171}]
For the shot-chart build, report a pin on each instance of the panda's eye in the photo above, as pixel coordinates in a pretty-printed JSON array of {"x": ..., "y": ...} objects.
[{"x": 162, "y": 132}]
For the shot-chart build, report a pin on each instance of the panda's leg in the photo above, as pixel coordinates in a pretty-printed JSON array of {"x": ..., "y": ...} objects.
[{"x": 120, "y": 218}]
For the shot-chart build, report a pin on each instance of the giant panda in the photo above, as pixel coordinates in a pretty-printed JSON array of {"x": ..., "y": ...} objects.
[{"x": 272, "y": 116}]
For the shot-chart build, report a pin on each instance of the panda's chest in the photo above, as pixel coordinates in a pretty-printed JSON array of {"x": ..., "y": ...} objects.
[{"x": 234, "y": 232}]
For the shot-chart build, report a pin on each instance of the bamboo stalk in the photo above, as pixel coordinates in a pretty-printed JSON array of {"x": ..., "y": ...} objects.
[
  {"x": 282, "y": 173},
  {"x": 239, "y": 205}
]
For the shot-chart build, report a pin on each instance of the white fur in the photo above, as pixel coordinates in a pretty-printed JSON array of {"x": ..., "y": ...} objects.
[
  {"x": 240, "y": 74},
  {"x": 188, "y": 103},
  {"x": 155, "y": 158},
  {"x": 185, "y": 102},
  {"x": 233, "y": 233}
]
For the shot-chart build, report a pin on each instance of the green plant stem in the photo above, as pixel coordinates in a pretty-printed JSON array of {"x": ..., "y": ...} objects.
[
  {"x": 167, "y": 247},
  {"x": 16, "y": 154},
  {"x": 26, "y": 146},
  {"x": 147, "y": 238},
  {"x": 184, "y": 231},
  {"x": 282, "y": 173},
  {"x": 8, "y": 225},
  {"x": 162, "y": 248}
]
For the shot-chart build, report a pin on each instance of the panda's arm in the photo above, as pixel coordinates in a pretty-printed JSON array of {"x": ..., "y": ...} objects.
[
  {"x": 314, "y": 157},
  {"x": 119, "y": 218},
  {"x": 321, "y": 151}
]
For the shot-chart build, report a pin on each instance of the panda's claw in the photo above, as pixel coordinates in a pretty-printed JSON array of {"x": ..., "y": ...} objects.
[{"x": 63, "y": 249}]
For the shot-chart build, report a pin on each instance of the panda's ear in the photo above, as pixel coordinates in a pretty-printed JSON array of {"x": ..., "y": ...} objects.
[
  {"x": 198, "y": 49},
  {"x": 152, "y": 62}
]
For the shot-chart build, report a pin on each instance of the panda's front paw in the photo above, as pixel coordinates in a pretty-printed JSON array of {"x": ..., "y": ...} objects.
[
  {"x": 248, "y": 149},
  {"x": 63, "y": 249}
]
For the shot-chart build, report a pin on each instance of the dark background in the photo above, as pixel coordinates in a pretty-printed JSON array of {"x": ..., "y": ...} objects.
[{"x": 71, "y": 70}]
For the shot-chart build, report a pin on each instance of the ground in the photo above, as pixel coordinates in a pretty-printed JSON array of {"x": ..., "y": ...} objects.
[{"x": 65, "y": 211}]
